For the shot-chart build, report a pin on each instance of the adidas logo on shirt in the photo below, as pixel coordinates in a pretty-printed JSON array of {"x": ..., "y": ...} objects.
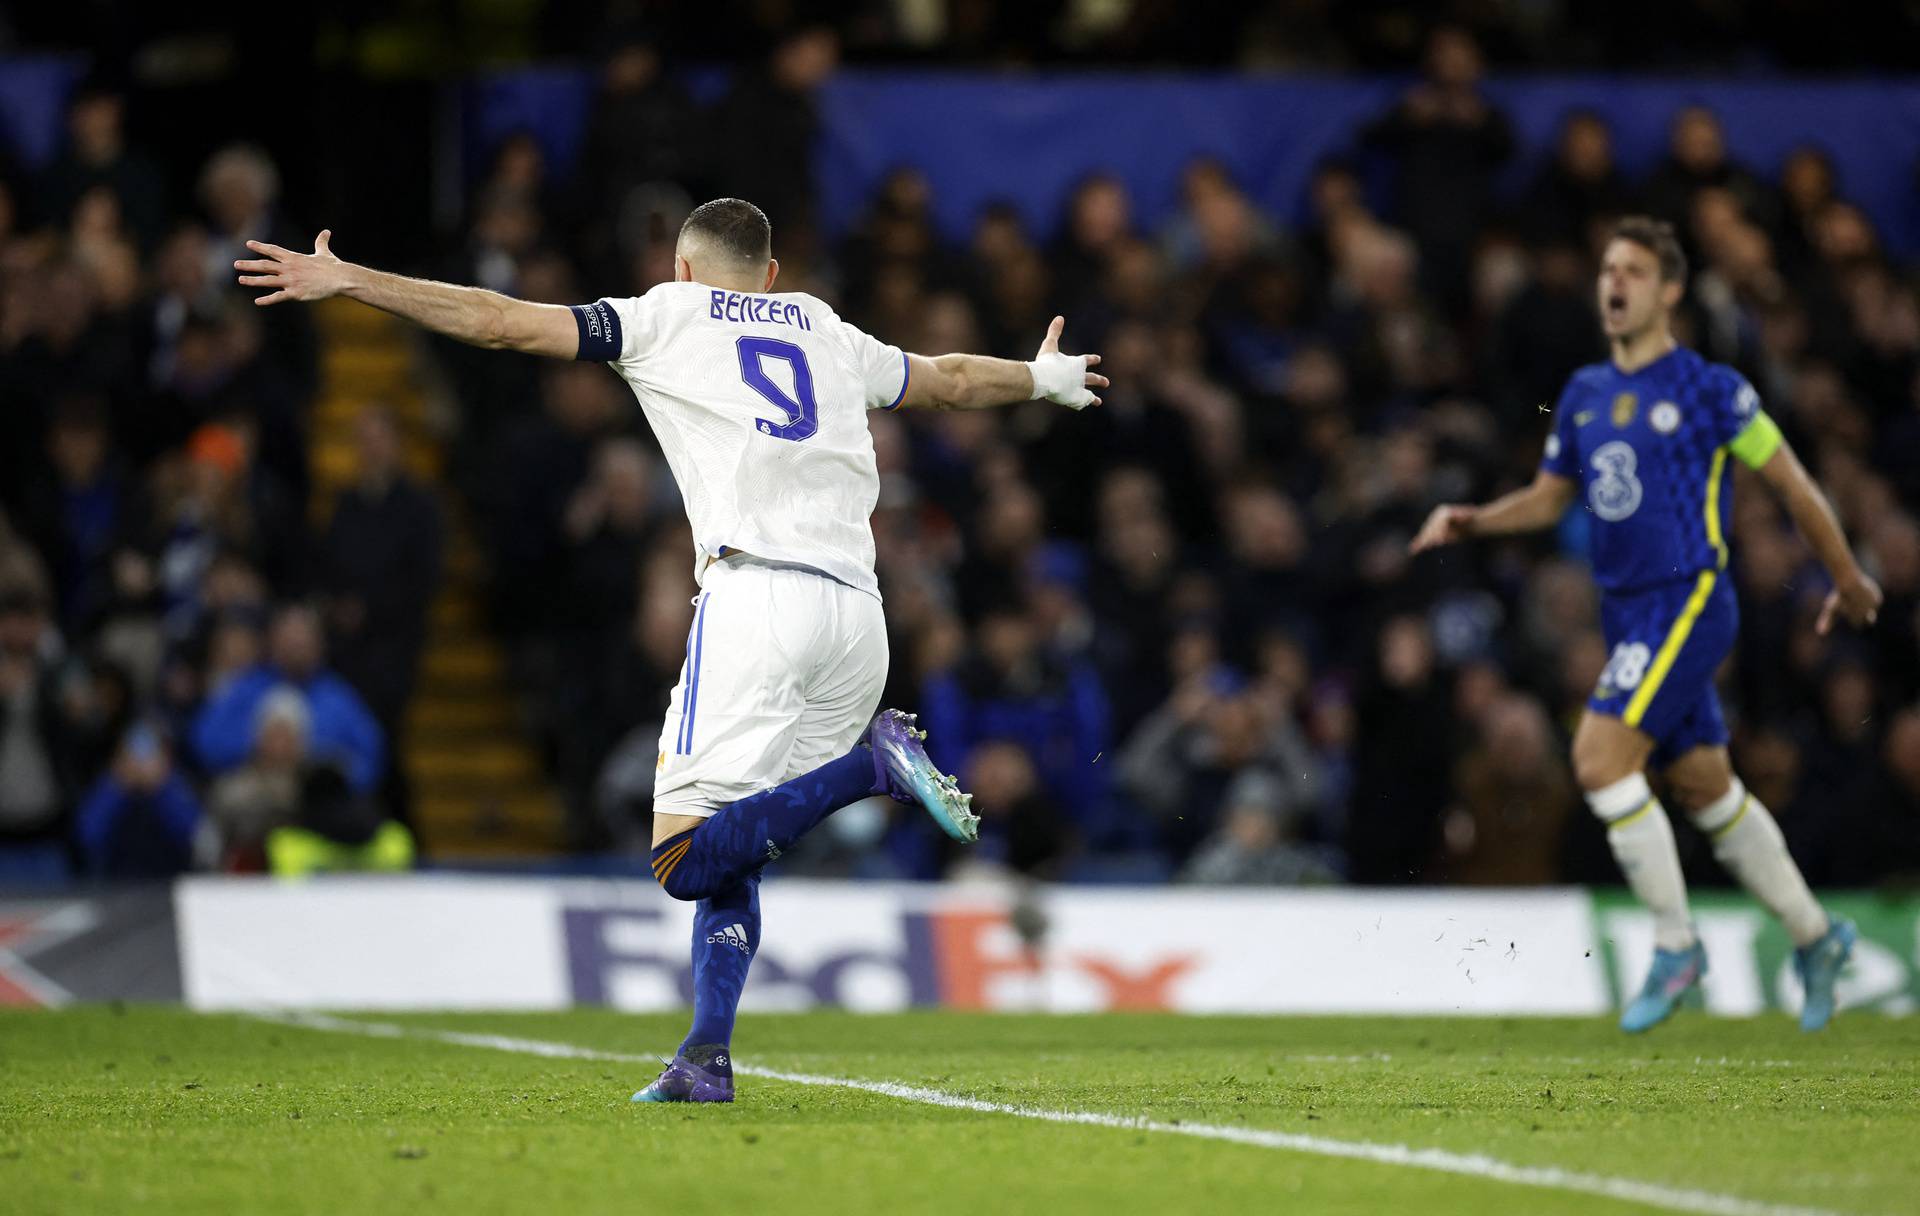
[{"x": 732, "y": 935}]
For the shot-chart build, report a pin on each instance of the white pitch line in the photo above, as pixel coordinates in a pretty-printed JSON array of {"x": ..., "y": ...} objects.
[{"x": 1472, "y": 1165}]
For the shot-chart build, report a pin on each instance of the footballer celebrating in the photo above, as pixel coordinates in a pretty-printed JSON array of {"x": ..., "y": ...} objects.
[
  {"x": 758, "y": 400},
  {"x": 1644, "y": 439}
]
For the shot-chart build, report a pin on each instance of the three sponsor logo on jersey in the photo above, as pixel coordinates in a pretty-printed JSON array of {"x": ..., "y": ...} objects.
[{"x": 1615, "y": 492}]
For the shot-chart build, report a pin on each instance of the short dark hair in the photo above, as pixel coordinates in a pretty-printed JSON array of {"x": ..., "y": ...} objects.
[
  {"x": 1657, "y": 237},
  {"x": 734, "y": 226}
]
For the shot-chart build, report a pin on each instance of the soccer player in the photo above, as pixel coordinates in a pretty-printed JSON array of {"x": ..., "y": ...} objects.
[
  {"x": 758, "y": 400},
  {"x": 1644, "y": 439}
]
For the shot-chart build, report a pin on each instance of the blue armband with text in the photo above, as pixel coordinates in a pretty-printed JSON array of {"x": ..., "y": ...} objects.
[{"x": 599, "y": 331}]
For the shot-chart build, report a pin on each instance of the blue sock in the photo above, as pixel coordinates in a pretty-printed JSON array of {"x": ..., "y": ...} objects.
[
  {"x": 726, "y": 932},
  {"x": 743, "y": 836}
]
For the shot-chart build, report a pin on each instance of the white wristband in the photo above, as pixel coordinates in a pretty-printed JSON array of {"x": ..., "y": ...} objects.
[{"x": 1061, "y": 379}]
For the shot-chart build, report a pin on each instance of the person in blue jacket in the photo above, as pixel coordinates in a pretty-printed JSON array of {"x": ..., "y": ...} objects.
[
  {"x": 140, "y": 818},
  {"x": 343, "y": 728}
]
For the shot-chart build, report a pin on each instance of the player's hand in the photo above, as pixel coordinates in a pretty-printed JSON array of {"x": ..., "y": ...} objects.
[
  {"x": 1065, "y": 379},
  {"x": 1856, "y": 597},
  {"x": 1449, "y": 524},
  {"x": 294, "y": 276}
]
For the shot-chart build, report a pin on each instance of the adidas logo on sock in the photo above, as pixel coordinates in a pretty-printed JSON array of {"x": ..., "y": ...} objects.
[{"x": 732, "y": 935}]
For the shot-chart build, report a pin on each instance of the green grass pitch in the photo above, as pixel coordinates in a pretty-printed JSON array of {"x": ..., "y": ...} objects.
[{"x": 160, "y": 1110}]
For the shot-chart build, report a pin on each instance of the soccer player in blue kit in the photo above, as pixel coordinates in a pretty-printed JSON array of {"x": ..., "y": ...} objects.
[{"x": 1645, "y": 438}]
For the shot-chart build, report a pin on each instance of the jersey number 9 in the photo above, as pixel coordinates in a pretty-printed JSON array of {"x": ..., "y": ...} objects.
[{"x": 802, "y": 410}]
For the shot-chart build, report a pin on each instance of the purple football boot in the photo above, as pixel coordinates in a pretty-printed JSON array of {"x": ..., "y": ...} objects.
[
  {"x": 904, "y": 770},
  {"x": 685, "y": 1081}
]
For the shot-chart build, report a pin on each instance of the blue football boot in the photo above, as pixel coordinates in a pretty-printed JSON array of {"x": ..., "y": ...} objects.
[
  {"x": 907, "y": 773},
  {"x": 685, "y": 1081},
  {"x": 1674, "y": 973},
  {"x": 1818, "y": 964}
]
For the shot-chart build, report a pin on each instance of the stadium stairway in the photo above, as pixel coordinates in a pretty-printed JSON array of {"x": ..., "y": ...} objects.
[{"x": 479, "y": 788}]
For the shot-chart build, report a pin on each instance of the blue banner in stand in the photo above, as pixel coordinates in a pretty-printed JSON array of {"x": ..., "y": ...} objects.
[{"x": 981, "y": 138}]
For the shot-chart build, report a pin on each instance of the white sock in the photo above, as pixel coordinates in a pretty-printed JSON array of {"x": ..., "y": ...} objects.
[
  {"x": 1749, "y": 844},
  {"x": 1642, "y": 842}
]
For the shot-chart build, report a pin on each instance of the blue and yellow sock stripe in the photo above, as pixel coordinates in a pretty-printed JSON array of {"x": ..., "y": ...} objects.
[
  {"x": 1636, "y": 813},
  {"x": 668, "y": 855}
]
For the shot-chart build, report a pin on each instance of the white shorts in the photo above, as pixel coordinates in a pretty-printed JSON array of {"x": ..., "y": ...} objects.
[{"x": 784, "y": 671}]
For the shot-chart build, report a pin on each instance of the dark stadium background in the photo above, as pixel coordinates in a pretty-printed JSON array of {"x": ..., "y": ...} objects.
[{"x": 1173, "y": 639}]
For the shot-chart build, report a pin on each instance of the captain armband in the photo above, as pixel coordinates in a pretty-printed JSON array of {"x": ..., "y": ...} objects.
[{"x": 1756, "y": 444}]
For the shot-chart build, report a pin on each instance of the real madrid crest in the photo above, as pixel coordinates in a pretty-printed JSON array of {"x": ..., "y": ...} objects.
[
  {"x": 1624, "y": 406},
  {"x": 1664, "y": 417}
]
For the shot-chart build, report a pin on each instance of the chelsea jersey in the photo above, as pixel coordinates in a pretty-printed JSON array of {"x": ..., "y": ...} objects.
[{"x": 1649, "y": 451}]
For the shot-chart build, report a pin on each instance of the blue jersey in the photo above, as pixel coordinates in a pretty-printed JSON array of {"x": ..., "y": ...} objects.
[{"x": 1649, "y": 451}]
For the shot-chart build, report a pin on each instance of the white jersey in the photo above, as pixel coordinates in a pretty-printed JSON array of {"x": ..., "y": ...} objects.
[{"x": 759, "y": 402}]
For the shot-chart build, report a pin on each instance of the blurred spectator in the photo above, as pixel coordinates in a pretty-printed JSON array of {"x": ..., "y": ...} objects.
[
  {"x": 79, "y": 508},
  {"x": 765, "y": 130},
  {"x": 97, "y": 155},
  {"x": 1011, "y": 686},
  {"x": 1402, "y": 766},
  {"x": 1447, "y": 142},
  {"x": 1267, "y": 584},
  {"x": 1099, "y": 218},
  {"x": 1021, "y": 830},
  {"x": 1182, "y": 761},
  {"x": 240, "y": 190},
  {"x": 1580, "y": 188},
  {"x": 336, "y": 830},
  {"x": 36, "y": 761},
  {"x": 140, "y": 820},
  {"x": 1547, "y": 328},
  {"x": 1697, "y": 160},
  {"x": 1516, "y": 797},
  {"x": 609, "y": 525},
  {"x": 1256, "y": 844},
  {"x": 337, "y": 726},
  {"x": 539, "y": 463},
  {"x": 379, "y": 567},
  {"x": 262, "y": 792},
  {"x": 1136, "y": 427},
  {"x": 644, "y": 136},
  {"x": 380, "y": 564},
  {"x": 1881, "y": 833}
]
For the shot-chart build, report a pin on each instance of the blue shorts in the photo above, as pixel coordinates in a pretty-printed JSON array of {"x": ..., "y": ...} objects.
[{"x": 1664, "y": 645}]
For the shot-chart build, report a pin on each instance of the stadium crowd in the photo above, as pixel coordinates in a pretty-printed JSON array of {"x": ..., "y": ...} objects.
[
  {"x": 192, "y": 674},
  {"x": 1176, "y": 637}
]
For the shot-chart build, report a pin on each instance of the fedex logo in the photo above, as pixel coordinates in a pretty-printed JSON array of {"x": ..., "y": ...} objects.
[{"x": 958, "y": 959}]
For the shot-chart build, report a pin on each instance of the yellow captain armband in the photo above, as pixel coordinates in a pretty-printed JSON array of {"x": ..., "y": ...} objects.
[{"x": 1756, "y": 444}]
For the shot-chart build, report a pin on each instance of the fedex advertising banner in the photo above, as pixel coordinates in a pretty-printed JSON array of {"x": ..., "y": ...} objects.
[{"x": 447, "y": 942}]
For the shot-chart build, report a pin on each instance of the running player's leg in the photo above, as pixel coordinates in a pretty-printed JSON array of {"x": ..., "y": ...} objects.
[
  {"x": 1609, "y": 762},
  {"x": 1748, "y": 842},
  {"x": 1665, "y": 645}
]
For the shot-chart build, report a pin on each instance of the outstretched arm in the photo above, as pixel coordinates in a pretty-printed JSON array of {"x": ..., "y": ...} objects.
[
  {"x": 1537, "y": 505},
  {"x": 976, "y": 382},
  {"x": 470, "y": 314},
  {"x": 1854, "y": 596}
]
